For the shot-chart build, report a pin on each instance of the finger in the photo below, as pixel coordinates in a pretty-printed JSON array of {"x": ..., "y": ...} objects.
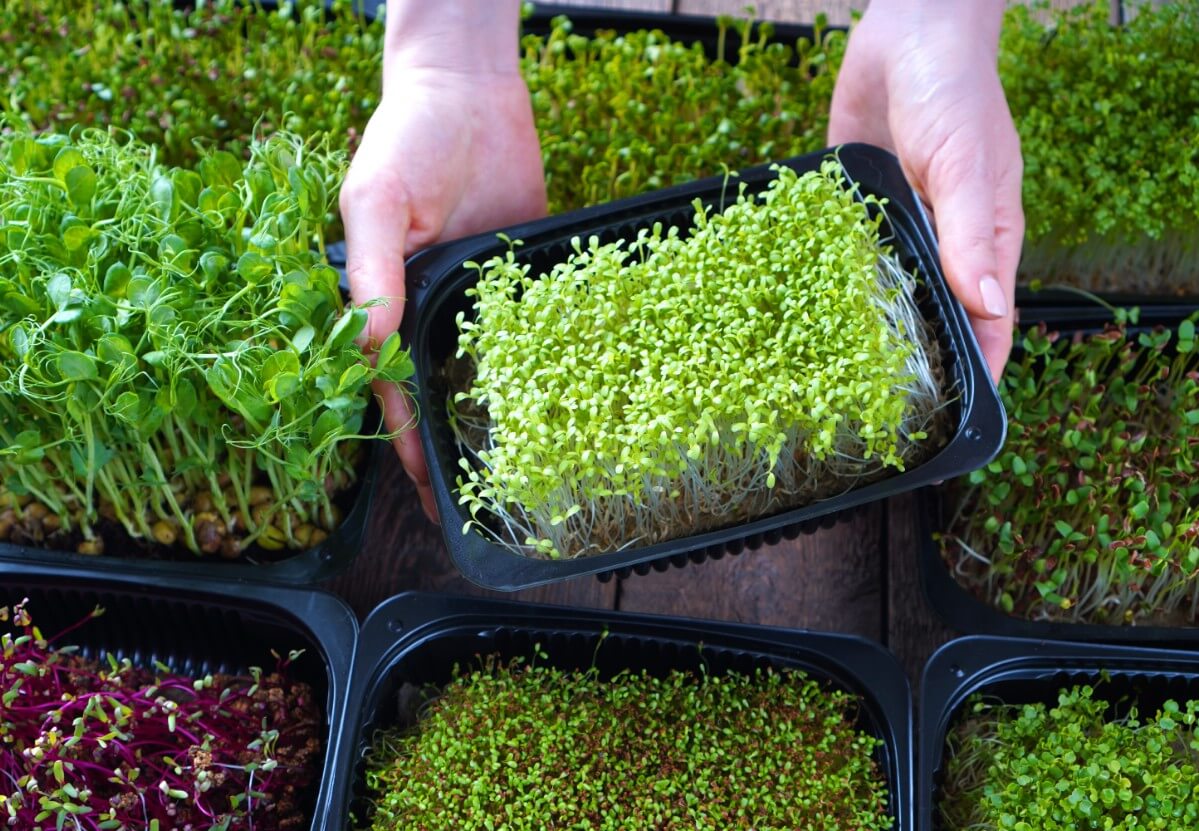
[
  {"x": 1009, "y": 223},
  {"x": 399, "y": 419},
  {"x": 376, "y": 211},
  {"x": 962, "y": 193},
  {"x": 995, "y": 341}
]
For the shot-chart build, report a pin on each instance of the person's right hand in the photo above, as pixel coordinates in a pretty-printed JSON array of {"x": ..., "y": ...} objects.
[{"x": 450, "y": 151}]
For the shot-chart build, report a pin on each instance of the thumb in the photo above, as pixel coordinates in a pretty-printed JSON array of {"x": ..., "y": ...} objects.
[
  {"x": 377, "y": 215},
  {"x": 376, "y": 218},
  {"x": 962, "y": 195}
]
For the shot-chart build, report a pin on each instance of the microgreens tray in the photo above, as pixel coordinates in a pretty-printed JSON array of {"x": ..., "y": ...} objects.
[
  {"x": 439, "y": 279},
  {"x": 958, "y": 604},
  {"x": 414, "y": 642},
  {"x": 1014, "y": 671},
  {"x": 196, "y": 627}
]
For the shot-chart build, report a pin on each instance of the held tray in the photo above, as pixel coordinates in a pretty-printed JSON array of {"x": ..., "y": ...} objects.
[
  {"x": 417, "y": 638},
  {"x": 1021, "y": 671},
  {"x": 196, "y": 627},
  {"x": 959, "y": 607},
  {"x": 437, "y": 281}
]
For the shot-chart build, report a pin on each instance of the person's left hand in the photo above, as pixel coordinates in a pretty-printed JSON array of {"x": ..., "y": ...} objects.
[{"x": 921, "y": 80}]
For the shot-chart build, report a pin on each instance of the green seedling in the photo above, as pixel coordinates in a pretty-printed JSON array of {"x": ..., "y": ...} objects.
[
  {"x": 543, "y": 748},
  {"x": 1090, "y": 514},
  {"x": 650, "y": 389}
]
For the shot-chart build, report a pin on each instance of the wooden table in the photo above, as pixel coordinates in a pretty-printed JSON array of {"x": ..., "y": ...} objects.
[{"x": 858, "y": 577}]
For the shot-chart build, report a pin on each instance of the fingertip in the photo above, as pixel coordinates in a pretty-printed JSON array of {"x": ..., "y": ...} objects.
[
  {"x": 993, "y": 298},
  {"x": 995, "y": 341}
]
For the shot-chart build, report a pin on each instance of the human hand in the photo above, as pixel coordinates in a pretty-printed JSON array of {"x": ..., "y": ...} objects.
[
  {"x": 450, "y": 151},
  {"x": 920, "y": 79}
]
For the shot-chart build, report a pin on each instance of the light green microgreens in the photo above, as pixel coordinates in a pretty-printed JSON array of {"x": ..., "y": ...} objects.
[
  {"x": 642, "y": 391},
  {"x": 172, "y": 339},
  {"x": 1108, "y": 119},
  {"x": 1036, "y": 767},
  {"x": 1090, "y": 513},
  {"x": 534, "y": 748}
]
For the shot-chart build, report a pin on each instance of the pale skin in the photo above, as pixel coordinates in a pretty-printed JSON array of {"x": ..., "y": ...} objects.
[{"x": 452, "y": 150}]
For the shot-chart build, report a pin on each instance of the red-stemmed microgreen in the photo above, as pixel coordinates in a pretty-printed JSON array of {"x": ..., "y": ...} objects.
[
  {"x": 99, "y": 744},
  {"x": 1091, "y": 511}
]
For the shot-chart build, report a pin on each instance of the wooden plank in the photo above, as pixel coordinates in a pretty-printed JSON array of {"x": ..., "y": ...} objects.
[
  {"x": 839, "y": 12},
  {"x": 831, "y": 581},
  {"x": 795, "y": 11},
  {"x": 913, "y": 631},
  {"x": 404, "y": 552},
  {"x": 638, "y": 5}
]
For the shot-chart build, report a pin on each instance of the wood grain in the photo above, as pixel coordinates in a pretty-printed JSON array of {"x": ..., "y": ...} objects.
[
  {"x": 792, "y": 11},
  {"x": 831, "y": 580},
  {"x": 913, "y": 630},
  {"x": 404, "y": 551},
  {"x": 638, "y": 5}
]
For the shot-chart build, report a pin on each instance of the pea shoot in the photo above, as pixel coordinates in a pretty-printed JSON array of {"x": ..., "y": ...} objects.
[{"x": 177, "y": 364}]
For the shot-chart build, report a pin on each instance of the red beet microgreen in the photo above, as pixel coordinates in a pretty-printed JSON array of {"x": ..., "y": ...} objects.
[{"x": 98, "y": 744}]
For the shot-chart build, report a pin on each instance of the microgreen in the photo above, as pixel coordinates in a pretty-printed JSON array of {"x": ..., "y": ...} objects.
[
  {"x": 1091, "y": 511},
  {"x": 212, "y": 74},
  {"x": 1109, "y": 133},
  {"x": 99, "y": 744},
  {"x": 188, "y": 76},
  {"x": 535, "y": 747},
  {"x": 648, "y": 389},
  {"x": 177, "y": 359},
  {"x": 1074, "y": 765},
  {"x": 622, "y": 114}
]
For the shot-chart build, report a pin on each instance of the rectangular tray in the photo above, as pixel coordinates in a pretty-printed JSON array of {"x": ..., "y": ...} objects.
[
  {"x": 418, "y": 638},
  {"x": 962, "y": 610},
  {"x": 436, "y": 285},
  {"x": 1023, "y": 671},
  {"x": 196, "y": 627}
]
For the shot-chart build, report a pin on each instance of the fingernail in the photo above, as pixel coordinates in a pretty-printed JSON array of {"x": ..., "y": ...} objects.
[{"x": 992, "y": 295}]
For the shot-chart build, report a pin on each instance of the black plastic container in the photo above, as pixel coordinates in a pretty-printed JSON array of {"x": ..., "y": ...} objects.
[
  {"x": 196, "y": 626},
  {"x": 960, "y": 609},
  {"x": 437, "y": 281},
  {"x": 417, "y": 639},
  {"x": 1063, "y": 306},
  {"x": 301, "y": 568},
  {"x": 679, "y": 27},
  {"x": 1021, "y": 672}
]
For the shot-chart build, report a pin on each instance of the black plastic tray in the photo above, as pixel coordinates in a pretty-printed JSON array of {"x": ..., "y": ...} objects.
[
  {"x": 417, "y": 638},
  {"x": 305, "y": 567},
  {"x": 1021, "y": 671},
  {"x": 1064, "y": 305},
  {"x": 961, "y": 610},
  {"x": 679, "y": 27},
  {"x": 436, "y": 285},
  {"x": 196, "y": 626}
]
